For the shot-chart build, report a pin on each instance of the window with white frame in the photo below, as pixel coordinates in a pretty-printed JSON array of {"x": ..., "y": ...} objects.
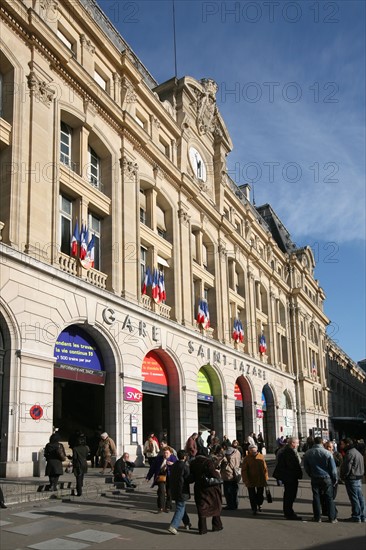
[
  {"x": 65, "y": 224},
  {"x": 65, "y": 144},
  {"x": 143, "y": 258},
  {"x": 94, "y": 168},
  {"x": 95, "y": 227}
]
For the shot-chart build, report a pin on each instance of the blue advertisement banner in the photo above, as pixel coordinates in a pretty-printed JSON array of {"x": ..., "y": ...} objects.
[{"x": 75, "y": 347}]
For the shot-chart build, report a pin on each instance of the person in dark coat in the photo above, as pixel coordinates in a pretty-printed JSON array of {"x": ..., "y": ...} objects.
[
  {"x": 208, "y": 499},
  {"x": 179, "y": 488},
  {"x": 160, "y": 472},
  {"x": 289, "y": 471},
  {"x": 123, "y": 469},
  {"x": 2, "y": 500},
  {"x": 93, "y": 445},
  {"x": 55, "y": 454},
  {"x": 79, "y": 462}
]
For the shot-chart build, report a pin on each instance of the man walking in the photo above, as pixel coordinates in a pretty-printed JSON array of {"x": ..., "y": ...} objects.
[
  {"x": 288, "y": 470},
  {"x": 230, "y": 470},
  {"x": 352, "y": 470},
  {"x": 179, "y": 487},
  {"x": 320, "y": 466}
]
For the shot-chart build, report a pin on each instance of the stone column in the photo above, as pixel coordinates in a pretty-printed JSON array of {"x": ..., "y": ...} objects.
[
  {"x": 41, "y": 117},
  {"x": 183, "y": 276},
  {"x": 130, "y": 243}
]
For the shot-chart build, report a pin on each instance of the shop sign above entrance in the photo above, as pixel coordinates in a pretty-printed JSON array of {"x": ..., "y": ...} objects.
[{"x": 132, "y": 394}]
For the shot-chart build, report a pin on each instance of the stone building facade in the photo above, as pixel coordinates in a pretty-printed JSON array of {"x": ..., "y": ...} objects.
[
  {"x": 88, "y": 139},
  {"x": 347, "y": 383}
]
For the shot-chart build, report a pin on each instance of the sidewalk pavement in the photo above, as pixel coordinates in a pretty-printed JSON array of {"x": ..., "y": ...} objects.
[{"x": 106, "y": 517}]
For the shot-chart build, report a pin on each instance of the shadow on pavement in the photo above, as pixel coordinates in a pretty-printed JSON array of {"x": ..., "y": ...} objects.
[{"x": 356, "y": 543}]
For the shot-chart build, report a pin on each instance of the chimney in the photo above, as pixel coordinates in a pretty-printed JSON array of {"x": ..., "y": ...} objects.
[{"x": 245, "y": 188}]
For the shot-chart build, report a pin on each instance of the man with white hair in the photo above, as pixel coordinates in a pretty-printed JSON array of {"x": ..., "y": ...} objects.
[{"x": 288, "y": 470}]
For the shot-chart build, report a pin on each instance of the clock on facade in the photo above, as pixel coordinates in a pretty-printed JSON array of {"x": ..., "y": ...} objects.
[{"x": 197, "y": 163}]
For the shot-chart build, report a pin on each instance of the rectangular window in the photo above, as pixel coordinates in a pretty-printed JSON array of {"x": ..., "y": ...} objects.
[
  {"x": 141, "y": 121},
  {"x": 65, "y": 144},
  {"x": 95, "y": 229},
  {"x": 64, "y": 39},
  {"x": 164, "y": 147},
  {"x": 100, "y": 80},
  {"x": 143, "y": 256},
  {"x": 65, "y": 224},
  {"x": 193, "y": 246},
  {"x": 204, "y": 256},
  {"x": 94, "y": 169},
  {"x": 142, "y": 206},
  {"x": 160, "y": 222}
]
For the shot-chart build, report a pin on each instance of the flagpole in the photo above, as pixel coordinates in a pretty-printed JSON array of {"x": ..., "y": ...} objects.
[{"x": 175, "y": 43}]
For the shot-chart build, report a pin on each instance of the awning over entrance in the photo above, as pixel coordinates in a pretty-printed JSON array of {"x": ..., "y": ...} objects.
[{"x": 79, "y": 375}]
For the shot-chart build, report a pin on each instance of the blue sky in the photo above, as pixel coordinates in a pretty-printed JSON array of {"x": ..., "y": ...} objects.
[{"x": 291, "y": 79}]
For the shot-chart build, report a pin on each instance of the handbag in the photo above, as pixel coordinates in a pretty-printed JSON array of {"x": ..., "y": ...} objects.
[
  {"x": 268, "y": 496},
  {"x": 61, "y": 453},
  {"x": 236, "y": 474},
  {"x": 207, "y": 481},
  {"x": 161, "y": 478}
]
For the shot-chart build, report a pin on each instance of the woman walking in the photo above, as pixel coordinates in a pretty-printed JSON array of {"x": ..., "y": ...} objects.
[
  {"x": 208, "y": 499},
  {"x": 160, "y": 471},
  {"x": 55, "y": 454},
  {"x": 254, "y": 473}
]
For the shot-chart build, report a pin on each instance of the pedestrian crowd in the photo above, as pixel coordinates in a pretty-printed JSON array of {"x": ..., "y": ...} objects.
[{"x": 215, "y": 468}]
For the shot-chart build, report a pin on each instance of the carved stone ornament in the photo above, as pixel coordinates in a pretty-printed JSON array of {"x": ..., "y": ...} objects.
[
  {"x": 128, "y": 93},
  {"x": 40, "y": 89},
  {"x": 89, "y": 107},
  {"x": 206, "y": 106},
  {"x": 87, "y": 44},
  {"x": 48, "y": 10},
  {"x": 129, "y": 168},
  {"x": 222, "y": 250},
  {"x": 183, "y": 216}
]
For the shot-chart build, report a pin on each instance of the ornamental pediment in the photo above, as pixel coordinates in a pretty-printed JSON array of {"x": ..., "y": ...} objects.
[{"x": 207, "y": 116}]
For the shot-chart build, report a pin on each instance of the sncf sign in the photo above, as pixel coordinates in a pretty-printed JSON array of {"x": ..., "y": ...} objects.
[{"x": 132, "y": 394}]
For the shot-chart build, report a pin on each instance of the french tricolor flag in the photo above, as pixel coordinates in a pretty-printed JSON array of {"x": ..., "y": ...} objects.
[
  {"x": 155, "y": 286},
  {"x": 238, "y": 332},
  {"x": 262, "y": 345},
  {"x": 147, "y": 280},
  {"x": 162, "y": 293},
  {"x": 203, "y": 315},
  {"x": 83, "y": 242},
  {"x": 75, "y": 240},
  {"x": 90, "y": 251}
]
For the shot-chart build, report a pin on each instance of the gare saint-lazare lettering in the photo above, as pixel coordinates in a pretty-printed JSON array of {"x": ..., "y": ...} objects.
[
  {"x": 128, "y": 324},
  {"x": 219, "y": 358}
]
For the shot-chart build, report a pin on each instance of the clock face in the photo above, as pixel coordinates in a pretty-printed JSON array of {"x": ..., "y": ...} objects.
[{"x": 198, "y": 166}]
